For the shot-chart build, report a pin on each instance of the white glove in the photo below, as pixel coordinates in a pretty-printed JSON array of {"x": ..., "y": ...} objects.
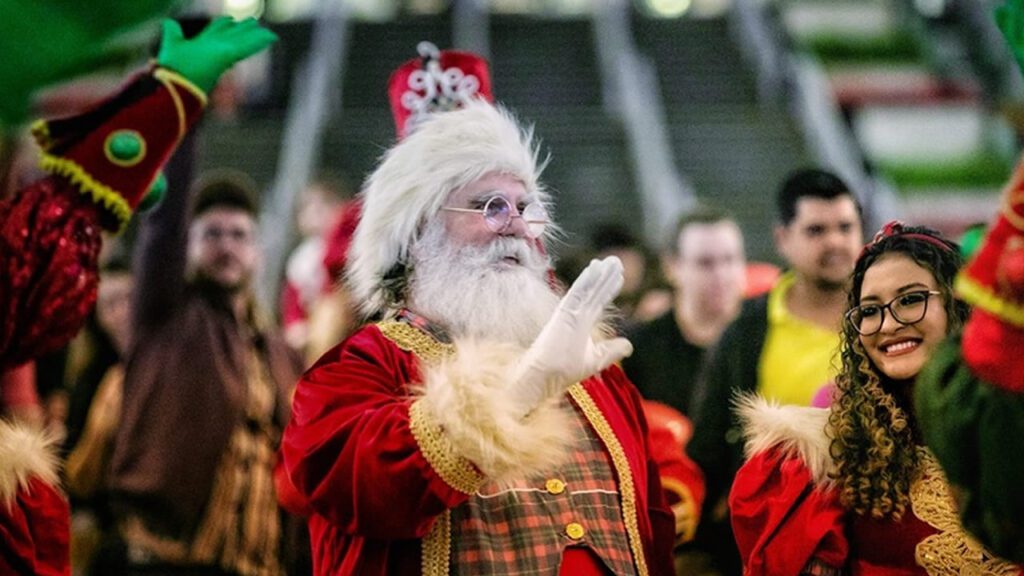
[{"x": 564, "y": 352}]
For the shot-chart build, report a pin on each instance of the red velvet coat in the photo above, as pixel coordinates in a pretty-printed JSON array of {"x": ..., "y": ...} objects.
[
  {"x": 349, "y": 461},
  {"x": 784, "y": 514}
]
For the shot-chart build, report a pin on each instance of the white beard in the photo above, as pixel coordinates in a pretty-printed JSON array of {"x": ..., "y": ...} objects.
[{"x": 473, "y": 293}]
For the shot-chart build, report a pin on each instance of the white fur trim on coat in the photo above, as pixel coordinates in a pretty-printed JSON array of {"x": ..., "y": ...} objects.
[
  {"x": 468, "y": 396},
  {"x": 25, "y": 452},
  {"x": 796, "y": 431},
  {"x": 415, "y": 177}
]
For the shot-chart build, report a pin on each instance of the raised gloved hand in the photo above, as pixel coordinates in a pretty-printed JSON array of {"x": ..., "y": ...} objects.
[
  {"x": 564, "y": 352},
  {"x": 1010, "y": 19},
  {"x": 213, "y": 51}
]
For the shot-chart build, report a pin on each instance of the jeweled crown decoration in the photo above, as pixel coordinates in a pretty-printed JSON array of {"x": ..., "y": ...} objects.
[{"x": 437, "y": 81}]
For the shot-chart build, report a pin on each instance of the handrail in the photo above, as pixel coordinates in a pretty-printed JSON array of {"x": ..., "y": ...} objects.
[
  {"x": 315, "y": 96},
  {"x": 631, "y": 92},
  {"x": 800, "y": 80}
]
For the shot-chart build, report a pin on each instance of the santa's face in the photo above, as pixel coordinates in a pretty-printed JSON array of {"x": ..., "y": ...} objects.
[
  {"x": 477, "y": 281},
  {"x": 465, "y": 222}
]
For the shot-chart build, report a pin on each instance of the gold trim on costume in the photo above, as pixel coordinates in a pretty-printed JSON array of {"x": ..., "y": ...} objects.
[
  {"x": 437, "y": 546},
  {"x": 627, "y": 490},
  {"x": 952, "y": 551},
  {"x": 456, "y": 471},
  {"x": 435, "y": 554},
  {"x": 100, "y": 193},
  {"x": 171, "y": 81},
  {"x": 412, "y": 339},
  {"x": 984, "y": 298}
]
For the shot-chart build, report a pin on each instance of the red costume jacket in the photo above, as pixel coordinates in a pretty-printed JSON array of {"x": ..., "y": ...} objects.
[
  {"x": 785, "y": 513},
  {"x": 376, "y": 471}
]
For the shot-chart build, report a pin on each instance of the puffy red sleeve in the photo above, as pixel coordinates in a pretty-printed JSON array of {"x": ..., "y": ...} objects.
[
  {"x": 349, "y": 453},
  {"x": 781, "y": 520}
]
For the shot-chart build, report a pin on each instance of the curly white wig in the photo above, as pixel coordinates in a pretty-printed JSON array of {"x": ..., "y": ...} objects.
[{"x": 415, "y": 177}]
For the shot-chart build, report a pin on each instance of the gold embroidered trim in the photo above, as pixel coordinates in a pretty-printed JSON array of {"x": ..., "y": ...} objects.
[
  {"x": 627, "y": 490},
  {"x": 99, "y": 193},
  {"x": 435, "y": 554},
  {"x": 457, "y": 472},
  {"x": 952, "y": 551},
  {"x": 437, "y": 546},
  {"x": 412, "y": 339}
]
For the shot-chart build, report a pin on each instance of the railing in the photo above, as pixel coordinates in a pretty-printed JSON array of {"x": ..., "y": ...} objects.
[
  {"x": 801, "y": 80},
  {"x": 630, "y": 86},
  {"x": 315, "y": 96}
]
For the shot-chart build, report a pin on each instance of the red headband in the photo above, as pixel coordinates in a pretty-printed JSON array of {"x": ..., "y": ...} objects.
[{"x": 896, "y": 228}]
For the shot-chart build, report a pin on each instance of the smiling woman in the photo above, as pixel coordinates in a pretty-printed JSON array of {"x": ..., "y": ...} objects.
[{"x": 851, "y": 488}]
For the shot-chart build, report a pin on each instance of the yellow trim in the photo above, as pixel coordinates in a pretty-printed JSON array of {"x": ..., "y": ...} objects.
[
  {"x": 627, "y": 491},
  {"x": 99, "y": 193},
  {"x": 172, "y": 76},
  {"x": 412, "y": 339},
  {"x": 951, "y": 550},
  {"x": 457, "y": 472},
  {"x": 983, "y": 297},
  {"x": 41, "y": 131},
  {"x": 171, "y": 81},
  {"x": 133, "y": 161},
  {"x": 436, "y": 554}
]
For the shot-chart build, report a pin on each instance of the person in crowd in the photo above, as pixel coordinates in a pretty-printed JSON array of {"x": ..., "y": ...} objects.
[
  {"x": 190, "y": 480},
  {"x": 305, "y": 273},
  {"x": 852, "y": 489},
  {"x": 782, "y": 343},
  {"x": 100, "y": 165},
  {"x": 705, "y": 263},
  {"x": 481, "y": 425}
]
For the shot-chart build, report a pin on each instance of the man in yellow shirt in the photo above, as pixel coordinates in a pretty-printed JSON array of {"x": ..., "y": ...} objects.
[{"x": 782, "y": 344}]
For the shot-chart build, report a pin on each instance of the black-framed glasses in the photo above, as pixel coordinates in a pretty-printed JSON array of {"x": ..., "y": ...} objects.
[
  {"x": 909, "y": 308},
  {"x": 498, "y": 215}
]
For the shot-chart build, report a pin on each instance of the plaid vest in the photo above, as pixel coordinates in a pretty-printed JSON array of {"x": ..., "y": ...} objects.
[{"x": 523, "y": 528}]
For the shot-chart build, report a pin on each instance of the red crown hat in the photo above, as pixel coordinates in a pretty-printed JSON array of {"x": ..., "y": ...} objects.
[{"x": 437, "y": 81}]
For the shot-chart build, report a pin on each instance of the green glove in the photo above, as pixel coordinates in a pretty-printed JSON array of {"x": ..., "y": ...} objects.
[
  {"x": 222, "y": 43},
  {"x": 1010, "y": 19}
]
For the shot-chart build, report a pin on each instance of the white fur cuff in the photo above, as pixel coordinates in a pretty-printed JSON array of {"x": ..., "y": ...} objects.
[
  {"x": 467, "y": 397},
  {"x": 796, "y": 431},
  {"x": 25, "y": 453}
]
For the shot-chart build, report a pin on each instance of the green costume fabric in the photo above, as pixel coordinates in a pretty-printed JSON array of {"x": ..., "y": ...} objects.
[
  {"x": 974, "y": 429},
  {"x": 44, "y": 42}
]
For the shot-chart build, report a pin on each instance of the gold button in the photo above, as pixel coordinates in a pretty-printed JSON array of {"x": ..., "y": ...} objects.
[
  {"x": 574, "y": 530},
  {"x": 555, "y": 486}
]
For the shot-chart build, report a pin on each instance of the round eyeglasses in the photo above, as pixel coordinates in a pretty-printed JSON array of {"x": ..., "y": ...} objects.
[
  {"x": 498, "y": 214},
  {"x": 907, "y": 309}
]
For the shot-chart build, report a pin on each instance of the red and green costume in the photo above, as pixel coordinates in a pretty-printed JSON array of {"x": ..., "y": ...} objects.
[{"x": 970, "y": 397}]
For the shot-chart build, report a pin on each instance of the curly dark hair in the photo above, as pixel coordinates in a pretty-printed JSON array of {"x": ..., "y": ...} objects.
[{"x": 871, "y": 423}]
